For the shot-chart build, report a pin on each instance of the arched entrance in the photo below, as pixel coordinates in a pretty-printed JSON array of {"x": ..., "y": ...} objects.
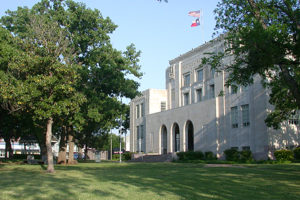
[
  {"x": 164, "y": 140},
  {"x": 176, "y": 137},
  {"x": 190, "y": 135}
]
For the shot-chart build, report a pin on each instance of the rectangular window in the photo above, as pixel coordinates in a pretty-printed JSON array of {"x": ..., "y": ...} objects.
[
  {"x": 200, "y": 75},
  {"x": 137, "y": 109},
  {"x": 233, "y": 89},
  {"x": 186, "y": 80},
  {"x": 142, "y": 132},
  {"x": 234, "y": 117},
  {"x": 212, "y": 91},
  {"x": 199, "y": 94},
  {"x": 295, "y": 118},
  {"x": 212, "y": 72},
  {"x": 186, "y": 97},
  {"x": 245, "y": 88},
  {"x": 173, "y": 94},
  {"x": 142, "y": 110},
  {"x": 138, "y": 132},
  {"x": 163, "y": 106},
  {"x": 245, "y": 115},
  {"x": 246, "y": 148},
  {"x": 173, "y": 97}
]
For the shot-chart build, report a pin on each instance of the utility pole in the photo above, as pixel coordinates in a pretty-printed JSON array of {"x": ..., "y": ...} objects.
[
  {"x": 110, "y": 144},
  {"x": 120, "y": 131}
]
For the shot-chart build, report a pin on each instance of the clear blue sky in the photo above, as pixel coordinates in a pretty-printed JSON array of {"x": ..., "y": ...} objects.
[{"x": 160, "y": 30}]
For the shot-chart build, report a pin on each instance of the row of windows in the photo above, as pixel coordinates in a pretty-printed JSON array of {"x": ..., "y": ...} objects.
[
  {"x": 295, "y": 118},
  {"x": 199, "y": 95},
  {"x": 140, "y": 110},
  {"x": 235, "y": 116},
  {"x": 199, "y": 77},
  {"x": 244, "y": 148},
  {"x": 236, "y": 89}
]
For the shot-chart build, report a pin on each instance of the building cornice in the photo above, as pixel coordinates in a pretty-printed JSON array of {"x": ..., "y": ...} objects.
[{"x": 196, "y": 50}]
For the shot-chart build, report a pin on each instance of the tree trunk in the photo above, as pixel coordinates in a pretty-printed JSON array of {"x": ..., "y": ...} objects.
[
  {"x": 62, "y": 147},
  {"x": 8, "y": 148},
  {"x": 80, "y": 155},
  {"x": 71, "y": 148},
  {"x": 25, "y": 150},
  {"x": 86, "y": 152},
  {"x": 50, "y": 168}
]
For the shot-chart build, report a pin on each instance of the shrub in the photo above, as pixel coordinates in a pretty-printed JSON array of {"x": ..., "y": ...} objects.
[
  {"x": 24, "y": 156},
  {"x": 209, "y": 155},
  {"x": 246, "y": 156},
  {"x": 127, "y": 156},
  {"x": 190, "y": 155},
  {"x": 180, "y": 155},
  {"x": 20, "y": 156},
  {"x": 297, "y": 153},
  {"x": 284, "y": 155},
  {"x": 232, "y": 155}
]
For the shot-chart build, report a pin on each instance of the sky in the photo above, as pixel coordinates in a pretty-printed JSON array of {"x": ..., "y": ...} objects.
[{"x": 161, "y": 31}]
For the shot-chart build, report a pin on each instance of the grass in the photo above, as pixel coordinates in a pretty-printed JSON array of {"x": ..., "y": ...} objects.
[{"x": 150, "y": 181}]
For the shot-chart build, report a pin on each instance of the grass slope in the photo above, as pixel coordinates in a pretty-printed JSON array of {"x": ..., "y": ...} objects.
[{"x": 150, "y": 181}]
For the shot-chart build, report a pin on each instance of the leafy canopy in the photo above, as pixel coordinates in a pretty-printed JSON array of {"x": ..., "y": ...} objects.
[{"x": 263, "y": 37}]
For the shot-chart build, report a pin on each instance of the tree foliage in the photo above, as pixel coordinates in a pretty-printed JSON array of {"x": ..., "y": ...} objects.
[
  {"x": 263, "y": 38},
  {"x": 58, "y": 65}
]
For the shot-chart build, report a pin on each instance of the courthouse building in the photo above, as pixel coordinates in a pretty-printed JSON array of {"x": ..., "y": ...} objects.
[{"x": 190, "y": 114}]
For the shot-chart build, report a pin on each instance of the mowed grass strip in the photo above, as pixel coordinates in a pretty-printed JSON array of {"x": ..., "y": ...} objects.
[{"x": 150, "y": 181}]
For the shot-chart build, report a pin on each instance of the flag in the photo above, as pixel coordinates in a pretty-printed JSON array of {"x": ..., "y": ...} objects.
[
  {"x": 195, "y": 13},
  {"x": 196, "y": 23}
]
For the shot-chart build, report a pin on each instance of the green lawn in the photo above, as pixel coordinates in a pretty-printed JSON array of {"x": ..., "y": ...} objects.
[{"x": 150, "y": 181}]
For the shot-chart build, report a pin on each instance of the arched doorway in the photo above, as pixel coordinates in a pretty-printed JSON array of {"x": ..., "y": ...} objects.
[
  {"x": 190, "y": 135},
  {"x": 164, "y": 140},
  {"x": 176, "y": 137}
]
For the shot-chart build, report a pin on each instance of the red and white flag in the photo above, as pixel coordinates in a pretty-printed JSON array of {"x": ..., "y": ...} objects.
[
  {"x": 195, "y": 13},
  {"x": 196, "y": 23}
]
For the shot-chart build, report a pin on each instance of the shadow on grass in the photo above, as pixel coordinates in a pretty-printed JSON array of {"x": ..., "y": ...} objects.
[{"x": 151, "y": 181}]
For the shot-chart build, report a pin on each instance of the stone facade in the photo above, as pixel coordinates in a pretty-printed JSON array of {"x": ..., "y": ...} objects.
[{"x": 191, "y": 115}]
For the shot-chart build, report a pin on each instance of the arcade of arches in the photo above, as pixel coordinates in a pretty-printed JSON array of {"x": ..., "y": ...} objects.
[{"x": 175, "y": 138}]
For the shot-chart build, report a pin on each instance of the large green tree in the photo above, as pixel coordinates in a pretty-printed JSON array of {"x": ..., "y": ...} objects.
[
  {"x": 70, "y": 73},
  {"x": 263, "y": 36}
]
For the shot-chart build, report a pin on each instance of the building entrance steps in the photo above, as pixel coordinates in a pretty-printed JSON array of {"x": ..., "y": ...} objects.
[{"x": 154, "y": 158}]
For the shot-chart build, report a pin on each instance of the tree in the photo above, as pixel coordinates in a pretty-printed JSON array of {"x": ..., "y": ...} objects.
[
  {"x": 71, "y": 73},
  {"x": 46, "y": 69},
  {"x": 263, "y": 38}
]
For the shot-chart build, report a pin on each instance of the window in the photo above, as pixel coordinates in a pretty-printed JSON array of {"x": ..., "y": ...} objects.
[
  {"x": 138, "y": 132},
  {"x": 142, "y": 110},
  {"x": 235, "y": 148},
  {"x": 199, "y": 94},
  {"x": 186, "y": 80},
  {"x": 142, "y": 132},
  {"x": 200, "y": 75},
  {"x": 234, "y": 117},
  {"x": 246, "y": 148},
  {"x": 173, "y": 94},
  {"x": 162, "y": 105},
  {"x": 186, "y": 98},
  {"x": 212, "y": 91},
  {"x": 245, "y": 88},
  {"x": 234, "y": 89},
  {"x": 295, "y": 118},
  {"x": 245, "y": 115},
  {"x": 137, "y": 109},
  {"x": 173, "y": 97},
  {"x": 177, "y": 142},
  {"x": 212, "y": 72}
]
